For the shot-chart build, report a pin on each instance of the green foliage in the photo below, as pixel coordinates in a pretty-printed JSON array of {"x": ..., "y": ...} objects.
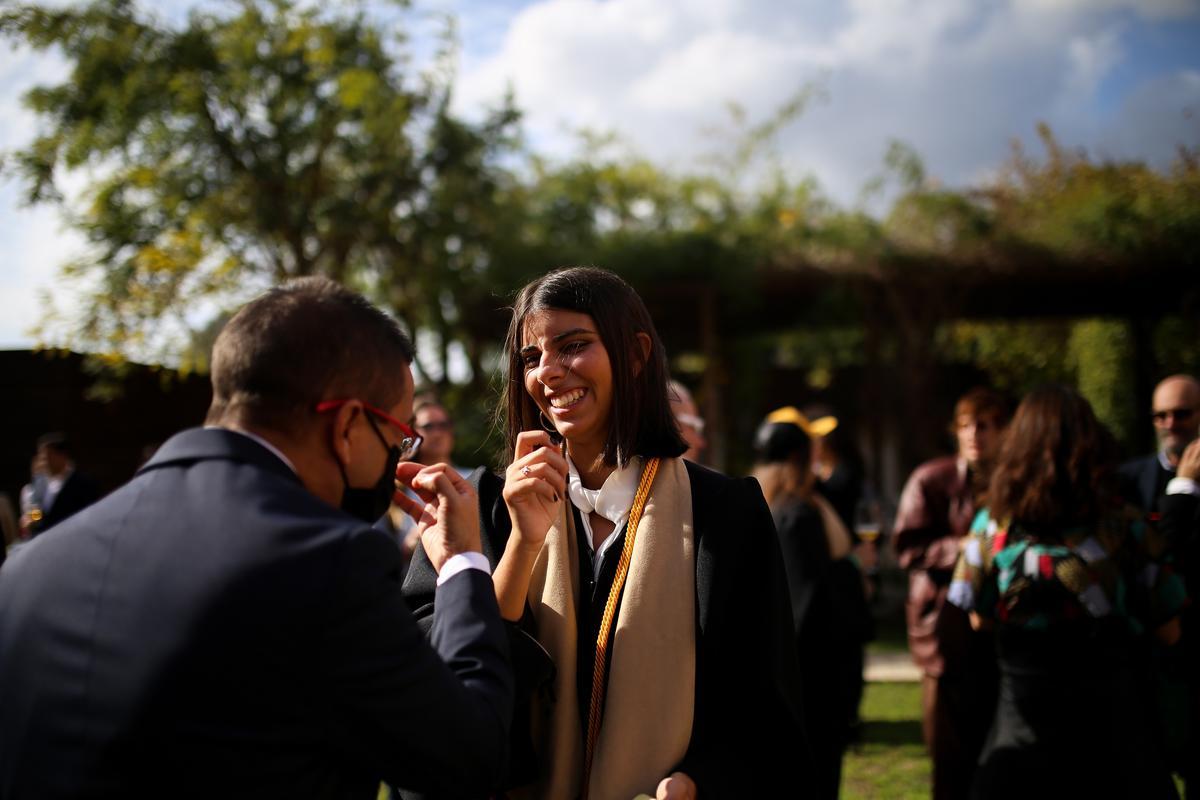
[
  {"x": 1108, "y": 213},
  {"x": 1177, "y": 346},
  {"x": 1102, "y": 354},
  {"x": 268, "y": 139},
  {"x": 1017, "y": 355},
  {"x": 265, "y": 141},
  {"x": 1094, "y": 355}
]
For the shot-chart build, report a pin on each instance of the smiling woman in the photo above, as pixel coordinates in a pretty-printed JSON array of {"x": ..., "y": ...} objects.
[{"x": 656, "y": 586}]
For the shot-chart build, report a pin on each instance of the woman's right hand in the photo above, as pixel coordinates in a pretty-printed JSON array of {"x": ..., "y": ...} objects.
[
  {"x": 534, "y": 486},
  {"x": 1189, "y": 462}
]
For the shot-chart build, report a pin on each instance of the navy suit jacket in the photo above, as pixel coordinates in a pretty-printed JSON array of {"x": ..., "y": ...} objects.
[
  {"x": 1143, "y": 481},
  {"x": 212, "y": 629},
  {"x": 77, "y": 493}
]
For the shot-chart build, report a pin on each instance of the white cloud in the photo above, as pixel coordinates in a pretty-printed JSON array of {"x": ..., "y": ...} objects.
[
  {"x": 957, "y": 79},
  {"x": 719, "y": 64},
  {"x": 1091, "y": 58},
  {"x": 20, "y": 70},
  {"x": 36, "y": 244}
]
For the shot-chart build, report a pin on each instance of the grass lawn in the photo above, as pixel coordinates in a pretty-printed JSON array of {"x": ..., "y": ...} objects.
[{"x": 891, "y": 761}]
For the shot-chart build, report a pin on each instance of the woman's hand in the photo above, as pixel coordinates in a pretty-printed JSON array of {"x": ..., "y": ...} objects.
[
  {"x": 1189, "y": 462},
  {"x": 677, "y": 786},
  {"x": 534, "y": 486}
]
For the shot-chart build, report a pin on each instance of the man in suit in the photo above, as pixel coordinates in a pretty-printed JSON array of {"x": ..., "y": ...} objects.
[
  {"x": 1175, "y": 411},
  {"x": 1165, "y": 484},
  {"x": 229, "y": 624},
  {"x": 59, "y": 490}
]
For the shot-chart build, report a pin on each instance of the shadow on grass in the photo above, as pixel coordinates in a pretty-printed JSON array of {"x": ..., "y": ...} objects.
[{"x": 895, "y": 732}]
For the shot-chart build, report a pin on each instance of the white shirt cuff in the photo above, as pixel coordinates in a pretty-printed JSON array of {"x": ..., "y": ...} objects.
[
  {"x": 456, "y": 564},
  {"x": 1182, "y": 486}
]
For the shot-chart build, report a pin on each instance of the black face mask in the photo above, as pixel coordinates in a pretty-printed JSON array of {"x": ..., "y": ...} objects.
[{"x": 371, "y": 503}]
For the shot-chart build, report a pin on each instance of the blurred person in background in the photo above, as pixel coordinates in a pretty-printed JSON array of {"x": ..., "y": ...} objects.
[
  {"x": 849, "y": 582},
  {"x": 813, "y": 539},
  {"x": 1179, "y": 672},
  {"x": 691, "y": 424},
  {"x": 1161, "y": 484},
  {"x": 835, "y": 463},
  {"x": 1175, "y": 412},
  {"x": 433, "y": 423},
  {"x": 1071, "y": 582},
  {"x": 57, "y": 489},
  {"x": 935, "y": 512}
]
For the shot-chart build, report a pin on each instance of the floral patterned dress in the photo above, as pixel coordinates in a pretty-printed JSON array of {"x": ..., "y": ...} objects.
[{"x": 1071, "y": 611}]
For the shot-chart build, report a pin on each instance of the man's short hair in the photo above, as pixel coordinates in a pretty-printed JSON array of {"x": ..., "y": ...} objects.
[
  {"x": 306, "y": 341},
  {"x": 425, "y": 399},
  {"x": 982, "y": 402},
  {"x": 55, "y": 440}
]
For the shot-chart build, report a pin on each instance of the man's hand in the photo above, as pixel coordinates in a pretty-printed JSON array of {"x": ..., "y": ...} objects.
[
  {"x": 447, "y": 513},
  {"x": 1189, "y": 462}
]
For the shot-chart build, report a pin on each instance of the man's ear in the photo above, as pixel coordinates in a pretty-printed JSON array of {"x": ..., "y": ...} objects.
[
  {"x": 343, "y": 424},
  {"x": 642, "y": 353}
]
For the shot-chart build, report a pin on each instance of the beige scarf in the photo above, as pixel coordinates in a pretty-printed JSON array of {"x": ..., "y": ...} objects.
[{"x": 648, "y": 708}]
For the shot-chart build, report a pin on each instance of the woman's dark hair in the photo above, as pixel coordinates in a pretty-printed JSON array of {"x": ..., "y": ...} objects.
[
  {"x": 781, "y": 451},
  {"x": 781, "y": 441},
  {"x": 1056, "y": 463},
  {"x": 641, "y": 419}
]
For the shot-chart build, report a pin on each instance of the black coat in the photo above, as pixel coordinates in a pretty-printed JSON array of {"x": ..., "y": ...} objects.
[
  {"x": 1143, "y": 481},
  {"x": 212, "y": 629},
  {"x": 77, "y": 493},
  {"x": 746, "y": 734}
]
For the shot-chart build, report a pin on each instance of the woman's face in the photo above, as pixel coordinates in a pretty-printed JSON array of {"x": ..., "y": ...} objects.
[{"x": 568, "y": 373}]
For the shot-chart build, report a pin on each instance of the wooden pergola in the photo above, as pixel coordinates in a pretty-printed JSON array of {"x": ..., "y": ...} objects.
[{"x": 905, "y": 303}]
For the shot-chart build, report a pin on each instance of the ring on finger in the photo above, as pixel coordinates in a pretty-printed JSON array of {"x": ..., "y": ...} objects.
[{"x": 525, "y": 471}]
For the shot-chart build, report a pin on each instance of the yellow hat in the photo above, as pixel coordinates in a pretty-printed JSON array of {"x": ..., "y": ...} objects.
[{"x": 822, "y": 426}]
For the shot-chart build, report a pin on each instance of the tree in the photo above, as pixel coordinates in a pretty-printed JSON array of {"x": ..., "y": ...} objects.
[{"x": 237, "y": 150}]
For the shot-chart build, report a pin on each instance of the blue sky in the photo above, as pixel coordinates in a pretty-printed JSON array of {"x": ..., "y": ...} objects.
[{"x": 956, "y": 79}]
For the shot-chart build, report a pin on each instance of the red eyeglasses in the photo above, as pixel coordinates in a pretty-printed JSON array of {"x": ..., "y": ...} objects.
[{"x": 408, "y": 445}]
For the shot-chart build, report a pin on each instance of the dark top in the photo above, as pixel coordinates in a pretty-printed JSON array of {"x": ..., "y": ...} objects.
[
  {"x": 819, "y": 649},
  {"x": 77, "y": 493},
  {"x": 842, "y": 489},
  {"x": 1071, "y": 609},
  {"x": 1143, "y": 481},
  {"x": 935, "y": 512},
  {"x": 746, "y": 736},
  {"x": 589, "y": 611},
  {"x": 212, "y": 629}
]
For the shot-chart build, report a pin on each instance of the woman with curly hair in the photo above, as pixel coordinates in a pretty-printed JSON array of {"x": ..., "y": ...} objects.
[{"x": 1073, "y": 585}]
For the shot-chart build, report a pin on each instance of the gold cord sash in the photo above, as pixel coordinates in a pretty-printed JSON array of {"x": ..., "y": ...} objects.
[{"x": 599, "y": 675}]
